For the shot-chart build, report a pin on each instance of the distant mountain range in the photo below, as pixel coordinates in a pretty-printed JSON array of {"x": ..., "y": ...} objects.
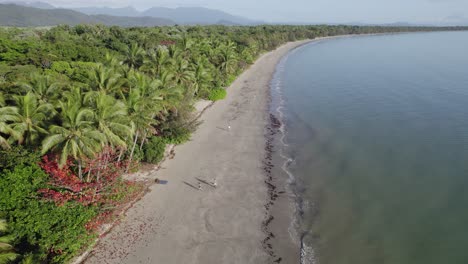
[
  {"x": 36, "y": 4},
  {"x": 35, "y": 13},
  {"x": 23, "y": 13},
  {"x": 181, "y": 15},
  {"x": 123, "y": 11},
  {"x": 24, "y": 16}
]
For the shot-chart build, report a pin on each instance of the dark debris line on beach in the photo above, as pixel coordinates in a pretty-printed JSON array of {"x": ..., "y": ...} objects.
[{"x": 272, "y": 129}]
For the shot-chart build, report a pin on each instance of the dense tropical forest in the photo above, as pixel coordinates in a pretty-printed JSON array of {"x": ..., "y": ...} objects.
[{"x": 81, "y": 106}]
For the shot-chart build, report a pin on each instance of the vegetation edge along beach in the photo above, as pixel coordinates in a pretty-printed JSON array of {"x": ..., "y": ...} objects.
[{"x": 82, "y": 106}]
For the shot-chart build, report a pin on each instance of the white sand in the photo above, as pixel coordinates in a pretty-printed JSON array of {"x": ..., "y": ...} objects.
[{"x": 176, "y": 223}]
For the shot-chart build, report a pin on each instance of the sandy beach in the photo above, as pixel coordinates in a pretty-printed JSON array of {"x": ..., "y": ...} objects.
[{"x": 176, "y": 222}]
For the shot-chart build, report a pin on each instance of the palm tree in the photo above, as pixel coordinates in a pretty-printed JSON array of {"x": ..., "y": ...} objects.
[
  {"x": 141, "y": 113},
  {"x": 134, "y": 56},
  {"x": 7, "y": 253},
  {"x": 27, "y": 119},
  {"x": 202, "y": 76},
  {"x": 170, "y": 92},
  {"x": 151, "y": 94},
  {"x": 174, "y": 52},
  {"x": 105, "y": 80},
  {"x": 182, "y": 73},
  {"x": 167, "y": 79},
  {"x": 156, "y": 61},
  {"x": 111, "y": 61},
  {"x": 111, "y": 116},
  {"x": 76, "y": 136},
  {"x": 112, "y": 121},
  {"x": 185, "y": 46},
  {"x": 206, "y": 48},
  {"x": 42, "y": 86},
  {"x": 228, "y": 58}
]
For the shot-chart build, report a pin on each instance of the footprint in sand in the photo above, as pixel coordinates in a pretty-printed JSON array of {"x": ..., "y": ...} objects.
[{"x": 208, "y": 225}]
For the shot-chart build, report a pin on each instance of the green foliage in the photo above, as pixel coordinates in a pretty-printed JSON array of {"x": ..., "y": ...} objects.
[
  {"x": 62, "y": 67},
  {"x": 138, "y": 154},
  {"x": 50, "y": 232},
  {"x": 154, "y": 150},
  {"x": 75, "y": 91},
  {"x": 177, "y": 135},
  {"x": 7, "y": 253},
  {"x": 13, "y": 51},
  {"x": 217, "y": 94},
  {"x": 17, "y": 156},
  {"x": 81, "y": 71}
]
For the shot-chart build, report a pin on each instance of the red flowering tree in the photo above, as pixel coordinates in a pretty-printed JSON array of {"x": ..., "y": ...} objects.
[{"x": 102, "y": 172}]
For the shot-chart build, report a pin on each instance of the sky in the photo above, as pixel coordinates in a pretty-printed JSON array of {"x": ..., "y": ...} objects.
[{"x": 311, "y": 11}]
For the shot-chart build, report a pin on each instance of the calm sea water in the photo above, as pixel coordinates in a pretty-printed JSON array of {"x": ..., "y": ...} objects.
[{"x": 377, "y": 127}]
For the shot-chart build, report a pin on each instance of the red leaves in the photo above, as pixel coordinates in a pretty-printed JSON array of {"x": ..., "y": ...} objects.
[
  {"x": 167, "y": 43},
  {"x": 100, "y": 175},
  {"x": 61, "y": 177},
  {"x": 65, "y": 185},
  {"x": 101, "y": 185}
]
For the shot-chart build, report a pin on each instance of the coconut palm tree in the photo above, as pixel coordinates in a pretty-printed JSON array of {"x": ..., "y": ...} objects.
[
  {"x": 76, "y": 136},
  {"x": 182, "y": 73},
  {"x": 7, "y": 253},
  {"x": 43, "y": 86},
  {"x": 149, "y": 88},
  {"x": 141, "y": 114},
  {"x": 134, "y": 56},
  {"x": 228, "y": 58},
  {"x": 169, "y": 91},
  {"x": 112, "y": 121},
  {"x": 185, "y": 46},
  {"x": 111, "y": 117},
  {"x": 202, "y": 76},
  {"x": 105, "y": 80},
  {"x": 27, "y": 119},
  {"x": 175, "y": 53},
  {"x": 111, "y": 61},
  {"x": 156, "y": 61},
  {"x": 151, "y": 94}
]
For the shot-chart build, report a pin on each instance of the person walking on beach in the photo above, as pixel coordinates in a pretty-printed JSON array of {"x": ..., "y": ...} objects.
[{"x": 199, "y": 186}]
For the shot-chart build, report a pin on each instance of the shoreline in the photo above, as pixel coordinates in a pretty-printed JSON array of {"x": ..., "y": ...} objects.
[
  {"x": 177, "y": 223},
  {"x": 244, "y": 219}
]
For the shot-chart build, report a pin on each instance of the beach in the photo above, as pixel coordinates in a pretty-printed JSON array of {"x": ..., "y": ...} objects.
[{"x": 230, "y": 223}]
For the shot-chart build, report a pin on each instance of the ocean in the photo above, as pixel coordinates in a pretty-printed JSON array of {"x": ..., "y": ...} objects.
[{"x": 374, "y": 141}]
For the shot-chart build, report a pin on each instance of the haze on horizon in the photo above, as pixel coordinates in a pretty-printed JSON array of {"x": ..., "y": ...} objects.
[{"x": 309, "y": 11}]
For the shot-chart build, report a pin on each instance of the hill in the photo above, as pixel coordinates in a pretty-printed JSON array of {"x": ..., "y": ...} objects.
[
  {"x": 196, "y": 15},
  {"x": 180, "y": 15},
  {"x": 41, "y": 5},
  {"x": 124, "y": 11},
  {"x": 22, "y": 16}
]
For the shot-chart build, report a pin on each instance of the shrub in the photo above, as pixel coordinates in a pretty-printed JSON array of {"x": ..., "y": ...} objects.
[
  {"x": 17, "y": 156},
  {"x": 138, "y": 154},
  {"x": 80, "y": 71},
  {"x": 52, "y": 233},
  {"x": 154, "y": 150},
  {"x": 62, "y": 67},
  {"x": 176, "y": 135},
  {"x": 217, "y": 94}
]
